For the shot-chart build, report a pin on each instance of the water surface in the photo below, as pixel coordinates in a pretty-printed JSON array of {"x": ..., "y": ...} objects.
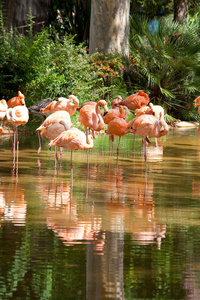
[{"x": 109, "y": 230}]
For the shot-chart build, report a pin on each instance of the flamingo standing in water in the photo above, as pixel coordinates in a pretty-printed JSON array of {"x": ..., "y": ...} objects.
[
  {"x": 55, "y": 117},
  {"x": 91, "y": 117},
  {"x": 158, "y": 111},
  {"x": 73, "y": 139},
  {"x": 197, "y": 104},
  {"x": 17, "y": 116},
  {"x": 118, "y": 127},
  {"x": 3, "y": 109},
  {"x": 148, "y": 125},
  {"x": 135, "y": 101},
  {"x": 117, "y": 110},
  {"x": 63, "y": 104}
]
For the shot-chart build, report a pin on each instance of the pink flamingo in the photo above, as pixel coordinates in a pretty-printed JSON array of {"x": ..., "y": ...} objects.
[{"x": 63, "y": 104}]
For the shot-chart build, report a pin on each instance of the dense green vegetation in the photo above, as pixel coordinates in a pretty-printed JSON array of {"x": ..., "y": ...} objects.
[{"x": 164, "y": 63}]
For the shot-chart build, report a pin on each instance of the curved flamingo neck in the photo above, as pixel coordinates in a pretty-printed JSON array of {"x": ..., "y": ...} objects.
[
  {"x": 76, "y": 101},
  {"x": 99, "y": 122}
]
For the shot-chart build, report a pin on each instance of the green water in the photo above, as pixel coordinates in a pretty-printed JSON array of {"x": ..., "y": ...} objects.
[{"x": 116, "y": 231}]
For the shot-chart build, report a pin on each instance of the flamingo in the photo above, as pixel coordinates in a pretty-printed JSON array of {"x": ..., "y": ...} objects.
[
  {"x": 63, "y": 104},
  {"x": 117, "y": 111},
  {"x": 88, "y": 103},
  {"x": 116, "y": 100},
  {"x": 144, "y": 110},
  {"x": 146, "y": 125},
  {"x": 3, "y": 109},
  {"x": 157, "y": 111},
  {"x": 135, "y": 101},
  {"x": 118, "y": 127},
  {"x": 52, "y": 119},
  {"x": 73, "y": 139},
  {"x": 17, "y": 116},
  {"x": 197, "y": 104},
  {"x": 90, "y": 116},
  {"x": 16, "y": 101},
  {"x": 52, "y": 131}
]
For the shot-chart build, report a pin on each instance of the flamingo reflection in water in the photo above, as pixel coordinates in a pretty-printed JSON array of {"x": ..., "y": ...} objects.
[
  {"x": 131, "y": 208},
  {"x": 63, "y": 218},
  {"x": 13, "y": 206}
]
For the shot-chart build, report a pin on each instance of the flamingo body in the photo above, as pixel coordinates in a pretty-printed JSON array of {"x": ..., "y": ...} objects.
[
  {"x": 63, "y": 104},
  {"x": 3, "y": 108},
  {"x": 72, "y": 139},
  {"x": 90, "y": 116},
  {"x": 53, "y": 130},
  {"x": 16, "y": 101},
  {"x": 144, "y": 110},
  {"x": 18, "y": 115},
  {"x": 146, "y": 125},
  {"x": 157, "y": 110},
  {"x": 116, "y": 100},
  {"x": 54, "y": 118},
  {"x": 197, "y": 104},
  {"x": 135, "y": 101}
]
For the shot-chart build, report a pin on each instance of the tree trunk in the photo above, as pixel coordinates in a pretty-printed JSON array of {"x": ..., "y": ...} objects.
[
  {"x": 109, "y": 26},
  {"x": 180, "y": 10}
]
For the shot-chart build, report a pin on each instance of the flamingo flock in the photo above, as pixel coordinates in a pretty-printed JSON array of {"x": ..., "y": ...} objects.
[{"x": 93, "y": 116}]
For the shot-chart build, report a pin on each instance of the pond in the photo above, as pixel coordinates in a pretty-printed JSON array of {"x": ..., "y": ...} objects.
[{"x": 109, "y": 230}]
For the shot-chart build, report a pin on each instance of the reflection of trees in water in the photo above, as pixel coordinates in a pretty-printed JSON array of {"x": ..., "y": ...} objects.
[{"x": 105, "y": 273}]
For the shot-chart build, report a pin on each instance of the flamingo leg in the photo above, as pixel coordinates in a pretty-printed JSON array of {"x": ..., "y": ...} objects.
[
  {"x": 17, "y": 141},
  {"x": 60, "y": 157},
  {"x": 145, "y": 153},
  {"x": 71, "y": 170},
  {"x": 39, "y": 139},
  {"x": 71, "y": 165},
  {"x": 134, "y": 143},
  {"x": 13, "y": 147},
  {"x": 86, "y": 131},
  {"x": 56, "y": 157},
  {"x": 118, "y": 148}
]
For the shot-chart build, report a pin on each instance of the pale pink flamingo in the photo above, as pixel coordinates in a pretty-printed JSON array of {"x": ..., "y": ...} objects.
[
  {"x": 90, "y": 116},
  {"x": 158, "y": 111},
  {"x": 72, "y": 139},
  {"x": 17, "y": 116},
  {"x": 3, "y": 109},
  {"x": 70, "y": 105},
  {"x": 50, "y": 120},
  {"x": 52, "y": 131},
  {"x": 148, "y": 125}
]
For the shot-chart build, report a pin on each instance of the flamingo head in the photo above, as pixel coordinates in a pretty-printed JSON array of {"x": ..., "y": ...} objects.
[
  {"x": 22, "y": 97},
  {"x": 151, "y": 107},
  {"x": 103, "y": 103}
]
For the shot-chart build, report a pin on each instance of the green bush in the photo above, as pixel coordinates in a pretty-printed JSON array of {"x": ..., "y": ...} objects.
[
  {"x": 48, "y": 65},
  {"x": 166, "y": 63}
]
